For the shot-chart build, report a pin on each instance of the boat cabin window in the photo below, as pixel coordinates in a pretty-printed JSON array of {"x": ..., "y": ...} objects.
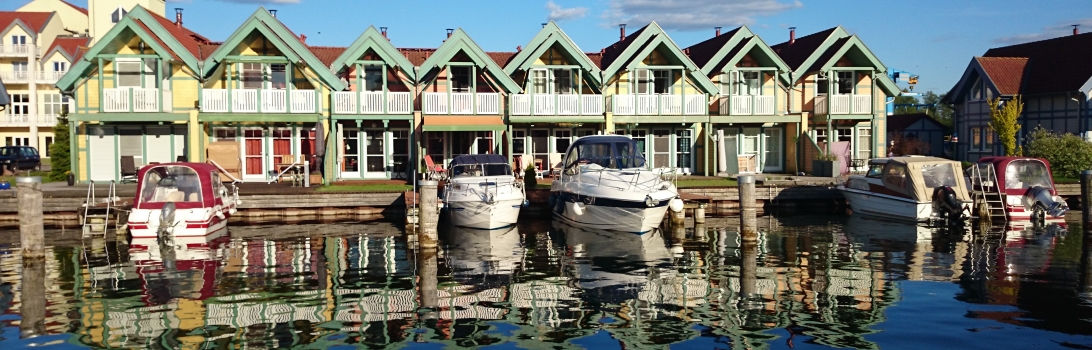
[
  {"x": 609, "y": 155},
  {"x": 875, "y": 170},
  {"x": 481, "y": 170},
  {"x": 1026, "y": 173},
  {"x": 894, "y": 175},
  {"x": 171, "y": 184},
  {"x": 938, "y": 175}
]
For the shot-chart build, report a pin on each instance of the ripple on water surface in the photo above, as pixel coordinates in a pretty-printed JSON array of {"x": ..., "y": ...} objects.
[{"x": 841, "y": 282}]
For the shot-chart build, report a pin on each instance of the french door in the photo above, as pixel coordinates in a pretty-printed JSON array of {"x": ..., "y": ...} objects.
[
  {"x": 683, "y": 146},
  {"x": 661, "y": 148},
  {"x": 350, "y": 153},
  {"x": 374, "y": 157},
  {"x": 750, "y": 146}
]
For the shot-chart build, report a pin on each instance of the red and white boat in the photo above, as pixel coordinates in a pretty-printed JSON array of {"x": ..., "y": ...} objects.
[
  {"x": 1027, "y": 189},
  {"x": 181, "y": 200}
]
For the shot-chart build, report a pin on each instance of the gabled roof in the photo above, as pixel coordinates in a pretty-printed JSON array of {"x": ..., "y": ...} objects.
[
  {"x": 551, "y": 35},
  {"x": 629, "y": 52},
  {"x": 1054, "y": 65},
  {"x": 32, "y": 22},
  {"x": 459, "y": 41},
  {"x": 501, "y": 57},
  {"x": 282, "y": 38},
  {"x": 327, "y": 54},
  {"x": 1006, "y": 73},
  {"x": 703, "y": 52},
  {"x": 803, "y": 48},
  {"x": 81, "y": 9},
  {"x": 372, "y": 39},
  {"x": 822, "y": 51},
  {"x": 740, "y": 42},
  {"x": 416, "y": 56},
  {"x": 172, "y": 42},
  {"x": 899, "y": 122},
  {"x": 67, "y": 46}
]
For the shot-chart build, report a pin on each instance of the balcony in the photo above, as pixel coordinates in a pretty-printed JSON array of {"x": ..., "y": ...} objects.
[
  {"x": 659, "y": 104},
  {"x": 557, "y": 104},
  {"x": 461, "y": 103},
  {"x": 371, "y": 102},
  {"x": 135, "y": 100},
  {"x": 747, "y": 105},
  {"x": 843, "y": 104},
  {"x": 25, "y": 120},
  {"x": 23, "y": 77},
  {"x": 14, "y": 50},
  {"x": 258, "y": 101}
]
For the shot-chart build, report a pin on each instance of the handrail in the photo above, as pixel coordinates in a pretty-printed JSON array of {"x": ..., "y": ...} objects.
[{"x": 225, "y": 172}]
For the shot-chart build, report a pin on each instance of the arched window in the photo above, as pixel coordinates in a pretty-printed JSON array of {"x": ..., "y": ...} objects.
[{"x": 118, "y": 15}]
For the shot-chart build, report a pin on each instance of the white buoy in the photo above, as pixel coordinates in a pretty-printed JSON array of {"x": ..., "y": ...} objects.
[{"x": 676, "y": 205}]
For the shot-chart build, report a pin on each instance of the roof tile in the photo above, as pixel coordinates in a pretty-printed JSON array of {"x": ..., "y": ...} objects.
[
  {"x": 327, "y": 54},
  {"x": 69, "y": 45},
  {"x": 36, "y": 20},
  {"x": 416, "y": 56},
  {"x": 1006, "y": 73},
  {"x": 1053, "y": 65},
  {"x": 501, "y": 58}
]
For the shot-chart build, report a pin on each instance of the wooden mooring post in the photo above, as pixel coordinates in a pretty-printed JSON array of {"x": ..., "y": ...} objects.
[
  {"x": 31, "y": 228},
  {"x": 748, "y": 220},
  {"x": 748, "y": 273},
  {"x": 1086, "y": 199},
  {"x": 429, "y": 214}
]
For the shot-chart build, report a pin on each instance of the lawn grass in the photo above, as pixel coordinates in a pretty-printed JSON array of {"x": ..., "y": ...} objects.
[
  {"x": 707, "y": 183},
  {"x": 1066, "y": 180},
  {"x": 11, "y": 179},
  {"x": 365, "y": 188}
]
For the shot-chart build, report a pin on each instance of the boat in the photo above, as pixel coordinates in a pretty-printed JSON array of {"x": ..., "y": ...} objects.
[
  {"x": 180, "y": 200},
  {"x": 1026, "y": 188},
  {"x": 481, "y": 192},
  {"x": 605, "y": 184},
  {"x": 913, "y": 188}
]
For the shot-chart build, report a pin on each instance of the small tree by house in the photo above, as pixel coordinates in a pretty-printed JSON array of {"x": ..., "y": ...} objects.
[
  {"x": 907, "y": 145},
  {"x": 1004, "y": 120},
  {"x": 59, "y": 154}
]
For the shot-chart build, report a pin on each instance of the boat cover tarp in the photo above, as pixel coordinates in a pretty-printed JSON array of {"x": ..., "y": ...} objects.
[
  {"x": 478, "y": 159},
  {"x": 924, "y": 174}
]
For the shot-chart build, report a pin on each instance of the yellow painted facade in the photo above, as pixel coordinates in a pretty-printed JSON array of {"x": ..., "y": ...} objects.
[
  {"x": 73, "y": 19},
  {"x": 101, "y": 13}
]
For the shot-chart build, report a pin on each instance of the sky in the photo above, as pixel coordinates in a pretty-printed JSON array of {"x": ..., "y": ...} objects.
[{"x": 934, "y": 39}]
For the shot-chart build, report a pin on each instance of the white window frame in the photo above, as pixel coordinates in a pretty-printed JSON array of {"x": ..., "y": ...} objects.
[
  {"x": 452, "y": 81},
  {"x": 372, "y": 78},
  {"x": 52, "y": 104},
  {"x": 839, "y": 79},
  {"x": 668, "y": 77},
  {"x": 562, "y": 80},
  {"x": 18, "y": 39},
  {"x": 864, "y": 151},
  {"x": 749, "y": 86},
  {"x": 20, "y": 104},
  {"x": 59, "y": 66}
]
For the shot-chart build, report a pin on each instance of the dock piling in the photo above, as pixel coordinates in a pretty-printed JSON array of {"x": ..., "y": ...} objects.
[
  {"x": 1086, "y": 198},
  {"x": 699, "y": 214},
  {"x": 429, "y": 214},
  {"x": 748, "y": 274},
  {"x": 31, "y": 228},
  {"x": 699, "y": 231},
  {"x": 748, "y": 220},
  {"x": 426, "y": 259},
  {"x": 32, "y": 299}
]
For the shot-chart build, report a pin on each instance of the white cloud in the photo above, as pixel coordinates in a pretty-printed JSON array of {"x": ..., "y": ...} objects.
[
  {"x": 558, "y": 13},
  {"x": 693, "y": 14},
  {"x": 1061, "y": 28}
]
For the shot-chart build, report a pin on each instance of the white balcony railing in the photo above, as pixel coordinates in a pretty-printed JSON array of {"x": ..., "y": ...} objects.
[
  {"x": 659, "y": 104},
  {"x": 748, "y": 105},
  {"x": 591, "y": 104},
  {"x": 521, "y": 104},
  {"x": 25, "y": 119},
  {"x": 557, "y": 104},
  {"x": 843, "y": 104},
  {"x": 371, "y": 102},
  {"x": 130, "y": 100},
  {"x": 259, "y": 101},
  {"x": 15, "y": 77},
  {"x": 695, "y": 105},
  {"x": 544, "y": 104},
  {"x": 14, "y": 49},
  {"x": 624, "y": 104},
  {"x": 461, "y": 103}
]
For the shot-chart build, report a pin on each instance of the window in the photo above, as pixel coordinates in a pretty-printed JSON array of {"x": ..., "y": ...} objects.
[
  {"x": 128, "y": 73},
  {"x": 19, "y": 69},
  {"x": 749, "y": 84},
  {"x": 563, "y": 82},
  {"x": 48, "y": 142},
  {"x": 60, "y": 66},
  {"x": 976, "y": 138},
  {"x": 864, "y": 143},
  {"x": 118, "y": 14},
  {"x": 373, "y": 78},
  {"x": 251, "y": 75},
  {"x": 987, "y": 138},
  {"x": 540, "y": 81},
  {"x": 894, "y": 175},
  {"x": 224, "y": 134},
  {"x": 18, "y": 39},
  {"x": 20, "y": 104},
  {"x": 484, "y": 142},
  {"x": 562, "y": 139},
  {"x": 661, "y": 83},
  {"x": 821, "y": 86},
  {"x": 641, "y": 82},
  {"x": 52, "y": 104},
  {"x": 278, "y": 76},
  {"x": 820, "y": 135},
  {"x": 976, "y": 91},
  {"x": 518, "y": 146},
  {"x": 846, "y": 82},
  {"x": 460, "y": 79}
]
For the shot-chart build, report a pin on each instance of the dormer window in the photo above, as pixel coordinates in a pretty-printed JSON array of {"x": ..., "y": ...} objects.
[
  {"x": 976, "y": 91},
  {"x": 460, "y": 79},
  {"x": 652, "y": 81},
  {"x": 118, "y": 14}
]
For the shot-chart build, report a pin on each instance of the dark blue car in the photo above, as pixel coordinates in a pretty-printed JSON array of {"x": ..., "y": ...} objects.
[{"x": 14, "y": 158}]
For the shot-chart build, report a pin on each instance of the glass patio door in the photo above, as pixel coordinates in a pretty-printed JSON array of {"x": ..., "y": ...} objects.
[
  {"x": 400, "y": 145},
  {"x": 350, "y": 153},
  {"x": 374, "y": 158},
  {"x": 661, "y": 148},
  {"x": 750, "y": 144},
  {"x": 772, "y": 160},
  {"x": 254, "y": 153},
  {"x": 683, "y": 146}
]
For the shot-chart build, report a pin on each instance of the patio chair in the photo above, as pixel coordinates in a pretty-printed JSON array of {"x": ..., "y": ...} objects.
[
  {"x": 432, "y": 170},
  {"x": 128, "y": 169}
]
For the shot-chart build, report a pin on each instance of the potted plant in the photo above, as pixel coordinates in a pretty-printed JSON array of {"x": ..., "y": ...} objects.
[
  {"x": 826, "y": 165},
  {"x": 70, "y": 177},
  {"x": 529, "y": 180}
]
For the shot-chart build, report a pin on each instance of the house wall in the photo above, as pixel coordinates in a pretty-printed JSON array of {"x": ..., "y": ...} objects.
[
  {"x": 1056, "y": 112},
  {"x": 71, "y": 18},
  {"x": 99, "y": 13}
]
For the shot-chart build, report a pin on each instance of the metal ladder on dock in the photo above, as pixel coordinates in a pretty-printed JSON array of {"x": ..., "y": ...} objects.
[
  {"x": 986, "y": 192},
  {"x": 95, "y": 209}
]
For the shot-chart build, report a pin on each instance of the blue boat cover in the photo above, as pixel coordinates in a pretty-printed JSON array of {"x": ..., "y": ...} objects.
[{"x": 478, "y": 159}]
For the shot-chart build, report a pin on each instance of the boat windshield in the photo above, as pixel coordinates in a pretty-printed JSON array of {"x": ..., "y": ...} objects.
[
  {"x": 1026, "y": 173},
  {"x": 481, "y": 170},
  {"x": 171, "y": 184},
  {"x": 608, "y": 154}
]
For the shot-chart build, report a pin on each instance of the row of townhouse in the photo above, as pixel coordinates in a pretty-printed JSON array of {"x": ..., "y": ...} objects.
[
  {"x": 152, "y": 89},
  {"x": 1053, "y": 77}
]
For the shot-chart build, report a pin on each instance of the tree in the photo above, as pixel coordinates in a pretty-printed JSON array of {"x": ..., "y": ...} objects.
[
  {"x": 901, "y": 101},
  {"x": 1004, "y": 120},
  {"x": 59, "y": 154},
  {"x": 941, "y": 112}
]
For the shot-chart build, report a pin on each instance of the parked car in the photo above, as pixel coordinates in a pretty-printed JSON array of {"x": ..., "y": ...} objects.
[{"x": 14, "y": 158}]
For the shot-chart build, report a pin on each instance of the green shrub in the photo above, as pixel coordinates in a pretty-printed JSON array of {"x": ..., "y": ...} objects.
[
  {"x": 59, "y": 155},
  {"x": 529, "y": 180},
  {"x": 1068, "y": 154}
]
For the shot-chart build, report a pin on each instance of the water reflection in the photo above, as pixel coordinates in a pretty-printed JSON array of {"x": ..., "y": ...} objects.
[{"x": 823, "y": 281}]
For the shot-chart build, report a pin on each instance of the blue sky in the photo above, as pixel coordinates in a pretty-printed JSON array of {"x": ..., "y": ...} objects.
[{"x": 932, "y": 38}]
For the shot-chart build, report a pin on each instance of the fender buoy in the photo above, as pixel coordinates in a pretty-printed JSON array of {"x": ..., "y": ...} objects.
[{"x": 676, "y": 205}]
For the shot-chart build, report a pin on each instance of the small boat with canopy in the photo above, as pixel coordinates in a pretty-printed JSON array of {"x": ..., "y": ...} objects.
[{"x": 181, "y": 200}]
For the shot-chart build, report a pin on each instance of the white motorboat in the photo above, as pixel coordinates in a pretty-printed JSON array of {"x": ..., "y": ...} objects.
[
  {"x": 605, "y": 185},
  {"x": 180, "y": 200},
  {"x": 481, "y": 192},
  {"x": 912, "y": 188}
]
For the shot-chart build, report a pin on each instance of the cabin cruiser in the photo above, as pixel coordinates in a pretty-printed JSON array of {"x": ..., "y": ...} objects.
[
  {"x": 914, "y": 188},
  {"x": 481, "y": 192},
  {"x": 1024, "y": 185},
  {"x": 605, "y": 185},
  {"x": 180, "y": 200}
]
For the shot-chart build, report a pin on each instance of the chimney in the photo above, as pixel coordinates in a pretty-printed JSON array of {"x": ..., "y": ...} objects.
[
  {"x": 543, "y": 25},
  {"x": 273, "y": 13},
  {"x": 622, "y": 32},
  {"x": 303, "y": 38},
  {"x": 519, "y": 48},
  {"x": 792, "y": 35},
  {"x": 1075, "y": 29},
  {"x": 718, "y": 31},
  {"x": 178, "y": 16},
  {"x": 449, "y": 31},
  {"x": 384, "y": 31}
]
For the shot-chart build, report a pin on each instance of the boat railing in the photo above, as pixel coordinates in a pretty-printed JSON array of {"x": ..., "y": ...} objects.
[
  {"x": 487, "y": 189},
  {"x": 627, "y": 178},
  {"x": 987, "y": 191}
]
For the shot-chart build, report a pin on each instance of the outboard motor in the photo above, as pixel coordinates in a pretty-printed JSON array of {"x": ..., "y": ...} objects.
[
  {"x": 166, "y": 222},
  {"x": 948, "y": 205},
  {"x": 1041, "y": 203}
]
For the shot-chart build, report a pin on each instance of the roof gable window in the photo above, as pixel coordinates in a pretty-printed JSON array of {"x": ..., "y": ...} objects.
[{"x": 118, "y": 14}]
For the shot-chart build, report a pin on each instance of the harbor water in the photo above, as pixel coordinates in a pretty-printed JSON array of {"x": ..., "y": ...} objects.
[{"x": 811, "y": 281}]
